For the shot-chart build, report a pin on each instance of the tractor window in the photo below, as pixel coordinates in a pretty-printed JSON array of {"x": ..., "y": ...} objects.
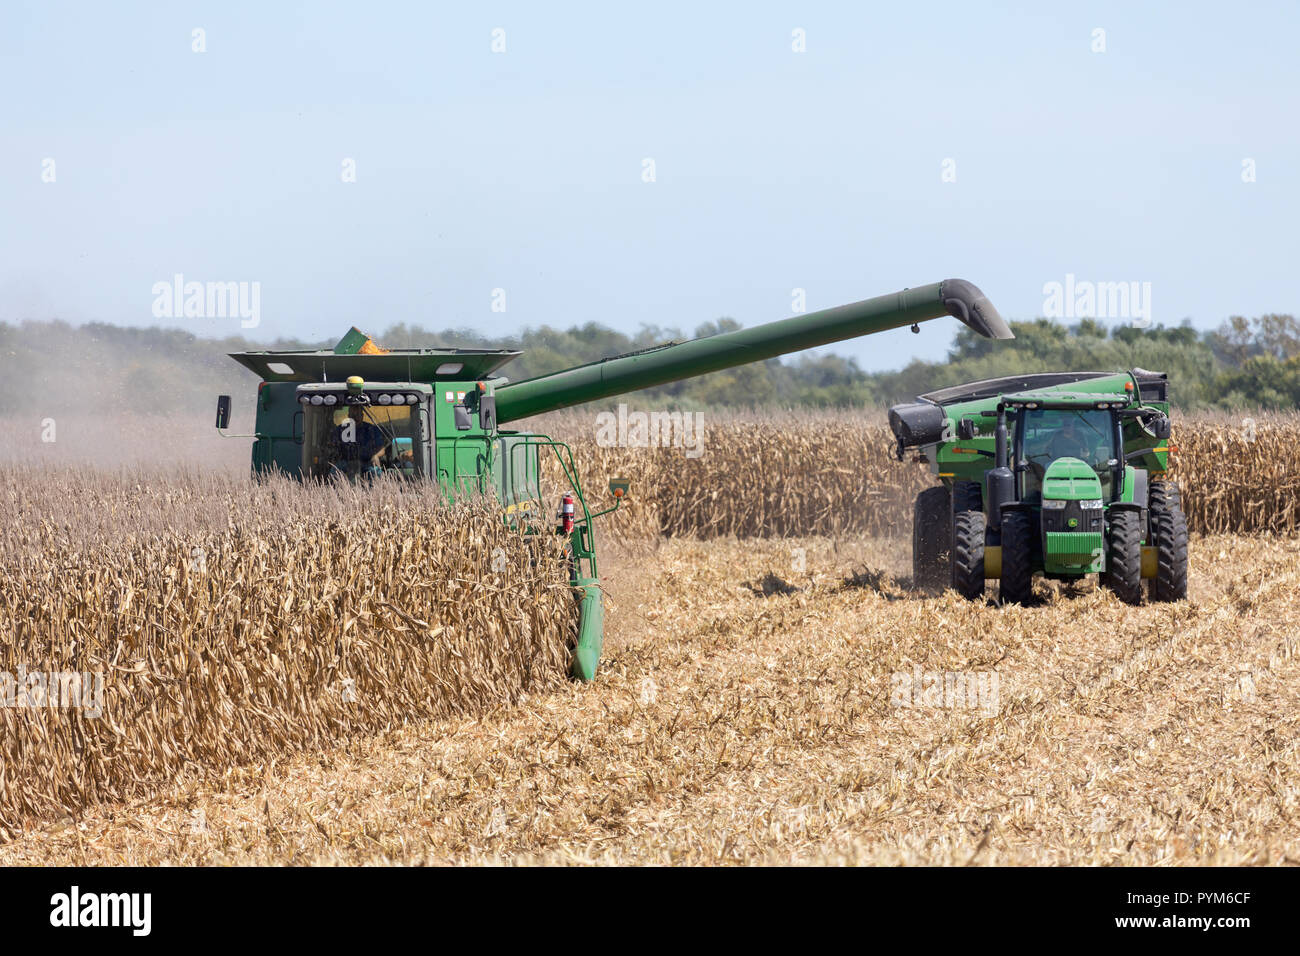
[
  {"x": 355, "y": 440},
  {"x": 1049, "y": 434}
]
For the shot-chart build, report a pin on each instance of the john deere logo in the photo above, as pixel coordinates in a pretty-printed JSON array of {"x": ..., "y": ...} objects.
[{"x": 1073, "y": 522}]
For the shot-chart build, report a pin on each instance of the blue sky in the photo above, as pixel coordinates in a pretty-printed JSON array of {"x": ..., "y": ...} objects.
[{"x": 522, "y": 170}]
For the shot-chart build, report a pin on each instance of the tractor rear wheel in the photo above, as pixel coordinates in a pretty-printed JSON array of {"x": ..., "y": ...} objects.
[
  {"x": 1017, "y": 584},
  {"x": 1168, "y": 535},
  {"x": 931, "y": 524},
  {"x": 968, "y": 554},
  {"x": 1124, "y": 556}
]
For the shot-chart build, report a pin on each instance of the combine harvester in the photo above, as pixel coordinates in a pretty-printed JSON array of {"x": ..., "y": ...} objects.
[
  {"x": 435, "y": 414},
  {"x": 1060, "y": 472}
]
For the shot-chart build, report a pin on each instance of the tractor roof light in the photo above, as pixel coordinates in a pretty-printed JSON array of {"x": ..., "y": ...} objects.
[
  {"x": 331, "y": 399},
  {"x": 317, "y": 400},
  {"x": 385, "y": 399}
]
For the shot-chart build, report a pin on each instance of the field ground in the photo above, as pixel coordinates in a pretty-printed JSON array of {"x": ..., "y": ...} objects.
[{"x": 737, "y": 720}]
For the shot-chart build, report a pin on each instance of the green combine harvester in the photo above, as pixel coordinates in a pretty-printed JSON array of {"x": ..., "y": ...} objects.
[
  {"x": 1061, "y": 473},
  {"x": 359, "y": 412}
]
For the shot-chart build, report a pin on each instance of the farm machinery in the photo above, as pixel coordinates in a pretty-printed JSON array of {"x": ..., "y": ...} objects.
[
  {"x": 1059, "y": 473},
  {"x": 359, "y": 411}
]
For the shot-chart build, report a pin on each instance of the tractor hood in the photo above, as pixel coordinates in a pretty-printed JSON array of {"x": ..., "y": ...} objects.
[{"x": 1071, "y": 479}]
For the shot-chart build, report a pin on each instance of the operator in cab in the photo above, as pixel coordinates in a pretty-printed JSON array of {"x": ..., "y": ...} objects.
[
  {"x": 355, "y": 440},
  {"x": 1069, "y": 441}
]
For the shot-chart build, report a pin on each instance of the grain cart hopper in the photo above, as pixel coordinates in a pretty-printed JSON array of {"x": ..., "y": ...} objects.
[
  {"x": 1062, "y": 473},
  {"x": 436, "y": 414}
]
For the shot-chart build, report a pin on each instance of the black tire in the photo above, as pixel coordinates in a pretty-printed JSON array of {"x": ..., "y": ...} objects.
[
  {"x": 931, "y": 538},
  {"x": 967, "y": 496},
  {"x": 1124, "y": 556},
  {"x": 1017, "y": 583},
  {"x": 1168, "y": 535},
  {"x": 1163, "y": 495},
  {"x": 968, "y": 554}
]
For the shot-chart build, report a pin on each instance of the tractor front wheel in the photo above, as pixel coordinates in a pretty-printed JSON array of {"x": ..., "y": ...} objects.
[
  {"x": 931, "y": 521},
  {"x": 1124, "y": 557},
  {"x": 1017, "y": 584}
]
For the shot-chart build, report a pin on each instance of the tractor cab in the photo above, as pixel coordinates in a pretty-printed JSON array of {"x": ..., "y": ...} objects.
[
  {"x": 1054, "y": 441},
  {"x": 1066, "y": 446}
]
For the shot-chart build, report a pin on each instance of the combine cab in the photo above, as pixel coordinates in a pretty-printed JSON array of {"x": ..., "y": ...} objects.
[
  {"x": 361, "y": 412},
  {"x": 1059, "y": 473}
]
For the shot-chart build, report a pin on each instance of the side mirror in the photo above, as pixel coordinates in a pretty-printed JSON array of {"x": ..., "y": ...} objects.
[
  {"x": 1162, "y": 428},
  {"x": 487, "y": 413},
  {"x": 223, "y": 411},
  {"x": 619, "y": 487}
]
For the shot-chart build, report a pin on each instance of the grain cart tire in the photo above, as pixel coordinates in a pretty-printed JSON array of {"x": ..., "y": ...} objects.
[
  {"x": 968, "y": 554},
  {"x": 1124, "y": 557},
  {"x": 1164, "y": 494},
  {"x": 967, "y": 496},
  {"x": 931, "y": 532},
  {"x": 1017, "y": 584},
  {"x": 1169, "y": 537}
]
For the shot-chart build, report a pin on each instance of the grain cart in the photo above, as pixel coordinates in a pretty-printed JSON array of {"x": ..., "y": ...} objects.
[
  {"x": 1060, "y": 473},
  {"x": 360, "y": 411}
]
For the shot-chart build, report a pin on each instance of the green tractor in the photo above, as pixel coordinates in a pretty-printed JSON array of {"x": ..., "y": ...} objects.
[
  {"x": 360, "y": 412},
  {"x": 1059, "y": 473}
]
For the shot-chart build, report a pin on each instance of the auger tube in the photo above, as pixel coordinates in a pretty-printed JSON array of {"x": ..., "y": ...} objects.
[{"x": 675, "y": 361}]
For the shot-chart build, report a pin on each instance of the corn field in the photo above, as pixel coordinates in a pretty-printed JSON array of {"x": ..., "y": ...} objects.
[
  {"x": 232, "y": 622},
  {"x": 206, "y": 621}
]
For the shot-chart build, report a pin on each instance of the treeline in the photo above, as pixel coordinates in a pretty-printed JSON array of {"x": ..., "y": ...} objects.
[{"x": 1250, "y": 363}]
